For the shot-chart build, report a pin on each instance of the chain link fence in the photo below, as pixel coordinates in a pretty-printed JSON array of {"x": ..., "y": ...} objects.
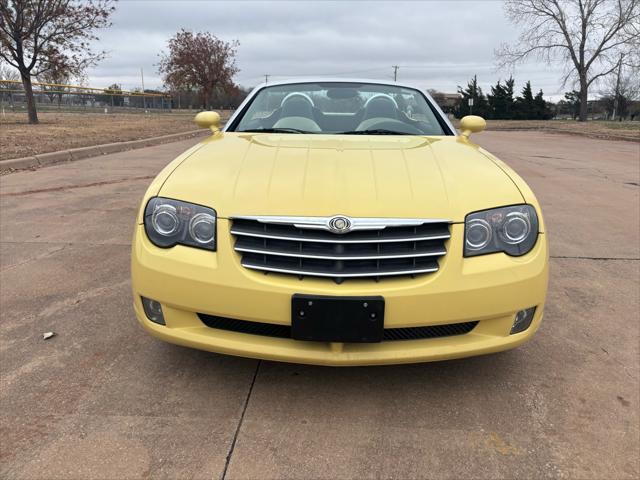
[{"x": 78, "y": 98}]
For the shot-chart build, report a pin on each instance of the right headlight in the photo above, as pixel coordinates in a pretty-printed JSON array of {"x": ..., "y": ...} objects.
[
  {"x": 171, "y": 222},
  {"x": 512, "y": 230}
]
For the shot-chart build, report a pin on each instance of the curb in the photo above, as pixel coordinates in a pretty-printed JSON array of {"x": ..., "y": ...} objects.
[
  {"x": 19, "y": 163},
  {"x": 45, "y": 159}
]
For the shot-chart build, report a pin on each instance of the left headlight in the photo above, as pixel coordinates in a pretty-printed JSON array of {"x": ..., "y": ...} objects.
[
  {"x": 512, "y": 230},
  {"x": 170, "y": 222}
]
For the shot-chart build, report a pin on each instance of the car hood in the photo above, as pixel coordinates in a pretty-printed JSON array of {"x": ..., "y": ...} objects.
[{"x": 322, "y": 175}]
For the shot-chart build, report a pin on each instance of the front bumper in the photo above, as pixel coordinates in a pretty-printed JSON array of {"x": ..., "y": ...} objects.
[{"x": 489, "y": 289}]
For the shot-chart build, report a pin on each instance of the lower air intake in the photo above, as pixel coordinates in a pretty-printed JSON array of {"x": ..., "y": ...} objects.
[{"x": 284, "y": 331}]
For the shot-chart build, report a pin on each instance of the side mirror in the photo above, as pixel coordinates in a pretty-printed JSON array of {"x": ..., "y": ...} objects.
[
  {"x": 208, "y": 120},
  {"x": 472, "y": 124}
]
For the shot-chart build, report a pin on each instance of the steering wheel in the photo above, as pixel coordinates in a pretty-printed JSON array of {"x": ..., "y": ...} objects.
[{"x": 381, "y": 123}]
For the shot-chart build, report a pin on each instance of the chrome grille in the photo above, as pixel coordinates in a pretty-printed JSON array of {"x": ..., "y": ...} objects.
[{"x": 375, "y": 248}]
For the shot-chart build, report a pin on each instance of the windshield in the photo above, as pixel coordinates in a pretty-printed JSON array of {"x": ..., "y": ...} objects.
[{"x": 340, "y": 108}]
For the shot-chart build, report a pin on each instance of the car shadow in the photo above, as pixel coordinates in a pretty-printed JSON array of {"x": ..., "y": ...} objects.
[{"x": 483, "y": 370}]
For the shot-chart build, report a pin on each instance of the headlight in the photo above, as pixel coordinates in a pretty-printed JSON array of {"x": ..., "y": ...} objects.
[
  {"x": 172, "y": 222},
  {"x": 512, "y": 230}
]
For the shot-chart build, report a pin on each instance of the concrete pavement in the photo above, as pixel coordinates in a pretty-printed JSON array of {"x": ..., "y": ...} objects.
[{"x": 104, "y": 400}]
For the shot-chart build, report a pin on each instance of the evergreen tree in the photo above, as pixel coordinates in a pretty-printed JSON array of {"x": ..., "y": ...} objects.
[
  {"x": 480, "y": 105},
  {"x": 525, "y": 107},
  {"x": 542, "y": 110},
  {"x": 509, "y": 101},
  {"x": 573, "y": 99},
  {"x": 495, "y": 100},
  {"x": 501, "y": 100}
]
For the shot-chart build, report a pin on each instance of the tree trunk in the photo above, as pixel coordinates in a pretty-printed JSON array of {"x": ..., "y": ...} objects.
[
  {"x": 584, "y": 91},
  {"x": 31, "y": 103},
  {"x": 206, "y": 96}
]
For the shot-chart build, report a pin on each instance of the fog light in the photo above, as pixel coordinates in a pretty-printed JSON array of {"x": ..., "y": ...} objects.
[
  {"x": 153, "y": 310},
  {"x": 522, "y": 320}
]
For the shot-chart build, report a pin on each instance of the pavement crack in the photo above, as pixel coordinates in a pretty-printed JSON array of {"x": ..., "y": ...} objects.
[
  {"x": 73, "y": 187},
  {"x": 573, "y": 257},
  {"x": 235, "y": 435},
  {"x": 66, "y": 244},
  {"x": 37, "y": 257}
]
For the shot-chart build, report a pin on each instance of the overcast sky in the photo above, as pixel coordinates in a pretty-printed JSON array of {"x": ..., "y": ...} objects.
[{"x": 437, "y": 44}]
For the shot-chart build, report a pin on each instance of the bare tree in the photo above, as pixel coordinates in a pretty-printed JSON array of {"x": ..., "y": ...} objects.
[
  {"x": 37, "y": 35},
  {"x": 619, "y": 91},
  {"x": 438, "y": 97},
  {"x": 199, "y": 60},
  {"x": 628, "y": 85},
  {"x": 60, "y": 72},
  {"x": 589, "y": 36},
  {"x": 8, "y": 73}
]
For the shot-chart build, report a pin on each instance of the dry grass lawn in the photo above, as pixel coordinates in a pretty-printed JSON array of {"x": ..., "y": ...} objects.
[
  {"x": 61, "y": 131},
  {"x": 594, "y": 129}
]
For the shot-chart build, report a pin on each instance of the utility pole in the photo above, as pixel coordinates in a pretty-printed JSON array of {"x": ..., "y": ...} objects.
[
  {"x": 144, "y": 101},
  {"x": 395, "y": 72},
  {"x": 616, "y": 99},
  {"x": 266, "y": 78}
]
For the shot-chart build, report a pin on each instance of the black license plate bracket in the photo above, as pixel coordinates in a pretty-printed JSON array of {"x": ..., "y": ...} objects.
[{"x": 337, "y": 319}]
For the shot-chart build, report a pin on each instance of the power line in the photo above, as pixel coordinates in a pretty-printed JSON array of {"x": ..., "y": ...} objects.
[
  {"x": 447, "y": 66},
  {"x": 324, "y": 74},
  {"x": 548, "y": 82},
  {"x": 376, "y": 69}
]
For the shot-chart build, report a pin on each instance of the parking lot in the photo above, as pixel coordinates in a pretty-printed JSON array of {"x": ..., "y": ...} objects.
[{"x": 103, "y": 399}]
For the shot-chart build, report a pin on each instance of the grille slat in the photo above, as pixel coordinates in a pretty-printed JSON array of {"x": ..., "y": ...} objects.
[
  {"x": 290, "y": 232},
  {"x": 339, "y": 272},
  {"x": 284, "y": 331},
  {"x": 431, "y": 252},
  {"x": 406, "y": 250}
]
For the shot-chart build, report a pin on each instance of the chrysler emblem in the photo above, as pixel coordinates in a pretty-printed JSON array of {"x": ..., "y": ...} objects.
[{"x": 339, "y": 224}]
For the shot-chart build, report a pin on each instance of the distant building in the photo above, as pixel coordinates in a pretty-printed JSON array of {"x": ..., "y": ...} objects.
[{"x": 448, "y": 102}]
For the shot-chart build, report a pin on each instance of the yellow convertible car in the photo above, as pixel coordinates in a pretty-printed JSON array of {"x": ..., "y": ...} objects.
[{"x": 340, "y": 223}]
